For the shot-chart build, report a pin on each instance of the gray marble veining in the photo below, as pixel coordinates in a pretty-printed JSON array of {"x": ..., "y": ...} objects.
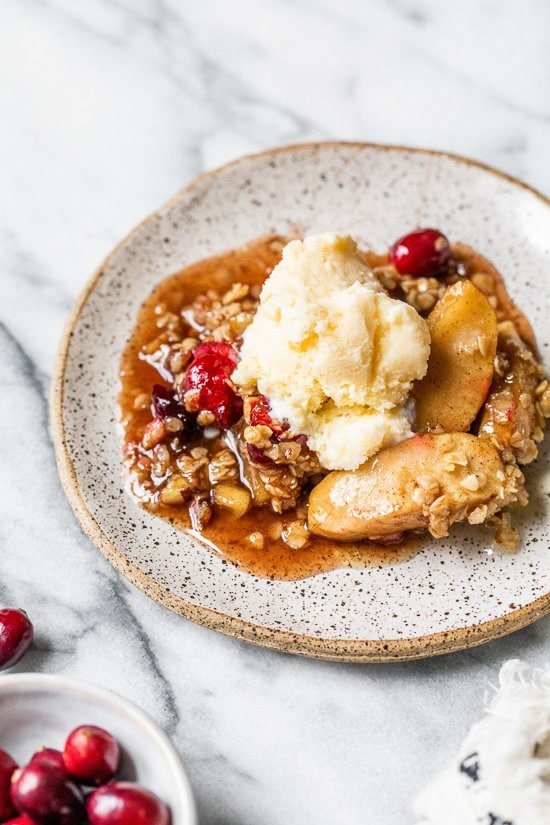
[{"x": 108, "y": 107}]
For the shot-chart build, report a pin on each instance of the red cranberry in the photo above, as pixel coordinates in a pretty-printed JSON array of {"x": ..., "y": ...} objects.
[
  {"x": 91, "y": 755},
  {"x": 46, "y": 794},
  {"x": 260, "y": 413},
  {"x": 257, "y": 456},
  {"x": 218, "y": 349},
  {"x": 165, "y": 403},
  {"x": 123, "y": 803},
  {"x": 16, "y": 635},
  {"x": 209, "y": 371},
  {"x": 21, "y": 820},
  {"x": 225, "y": 404},
  {"x": 422, "y": 252},
  {"x": 48, "y": 756},
  {"x": 7, "y": 768}
]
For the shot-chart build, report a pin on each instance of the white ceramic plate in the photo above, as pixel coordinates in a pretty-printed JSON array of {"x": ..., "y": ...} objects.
[
  {"x": 452, "y": 594},
  {"x": 38, "y": 710}
]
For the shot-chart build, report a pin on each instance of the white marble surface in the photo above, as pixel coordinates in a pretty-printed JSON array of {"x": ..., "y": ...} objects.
[{"x": 107, "y": 108}]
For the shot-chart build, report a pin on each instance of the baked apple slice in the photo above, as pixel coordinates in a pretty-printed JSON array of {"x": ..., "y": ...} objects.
[
  {"x": 463, "y": 329},
  {"x": 486, "y": 277},
  {"x": 426, "y": 481},
  {"x": 509, "y": 416}
]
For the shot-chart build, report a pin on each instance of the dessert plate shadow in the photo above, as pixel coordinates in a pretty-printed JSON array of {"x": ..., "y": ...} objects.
[{"x": 451, "y": 594}]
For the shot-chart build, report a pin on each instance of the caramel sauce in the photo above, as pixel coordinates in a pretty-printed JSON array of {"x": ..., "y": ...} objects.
[
  {"x": 228, "y": 537},
  {"x": 225, "y": 535}
]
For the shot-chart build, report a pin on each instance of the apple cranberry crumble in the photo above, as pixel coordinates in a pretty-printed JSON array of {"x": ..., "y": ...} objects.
[{"x": 356, "y": 398}]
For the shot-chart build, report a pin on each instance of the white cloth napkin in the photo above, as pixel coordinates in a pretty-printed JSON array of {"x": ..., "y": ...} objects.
[{"x": 501, "y": 775}]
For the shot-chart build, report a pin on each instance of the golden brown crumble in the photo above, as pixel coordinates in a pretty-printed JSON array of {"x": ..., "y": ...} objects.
[{"x": 197, "y": 464}]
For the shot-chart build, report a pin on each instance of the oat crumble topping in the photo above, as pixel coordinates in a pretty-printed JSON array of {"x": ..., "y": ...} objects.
[{"x": 185, "y": 458}]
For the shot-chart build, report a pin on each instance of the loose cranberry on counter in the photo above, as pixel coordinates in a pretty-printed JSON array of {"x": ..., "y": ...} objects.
[
  {"x": 91, "y": 755},
  {"x": 123, "y": 803},
  {"x": 422, "y": 252},
  {"x": 7, "y": 768},
  {"x": 16, "y": 635},
  {"x": 46, "y": 794},
  {"x": 209, "y": 371},
  {"x": 48, "y": 756}
]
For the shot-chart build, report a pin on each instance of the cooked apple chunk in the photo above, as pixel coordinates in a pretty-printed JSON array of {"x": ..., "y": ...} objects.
[
  {"x": 510, "y": 418},
  {"x": 428, "y": 481},
  {"x": 486, "y": 277},
  {"x": 463, "y": 329}
]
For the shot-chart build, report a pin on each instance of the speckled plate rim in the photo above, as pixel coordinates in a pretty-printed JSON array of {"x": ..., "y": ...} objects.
[{"x": 343, "y": 650}]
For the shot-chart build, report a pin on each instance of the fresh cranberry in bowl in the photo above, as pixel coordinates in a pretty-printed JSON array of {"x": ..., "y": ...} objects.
[
  {"x": 420, "y": 253},
  {"x": 8, "y": 766},
  {"x": 16, "y": 635},
  {"x": 124, "y": 803},
  {"x": 48, "y": 756},
  {"x": 208, "y": 374},
  {"x": 46, "y": 794},
  {"x": 45, "y": 708},
  {"x": 91, "y": 755},
  {"x": 21, "y": 820}
]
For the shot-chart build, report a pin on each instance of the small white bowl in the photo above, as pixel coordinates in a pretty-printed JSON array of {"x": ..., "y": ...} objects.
[{"x": 41, "y": 710}]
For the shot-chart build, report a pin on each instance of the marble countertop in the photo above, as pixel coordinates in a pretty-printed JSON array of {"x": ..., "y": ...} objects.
[{"x": 108, "y": 107}]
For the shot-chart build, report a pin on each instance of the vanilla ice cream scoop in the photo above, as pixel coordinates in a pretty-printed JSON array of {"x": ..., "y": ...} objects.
[{"x": 334, "y": 354}]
